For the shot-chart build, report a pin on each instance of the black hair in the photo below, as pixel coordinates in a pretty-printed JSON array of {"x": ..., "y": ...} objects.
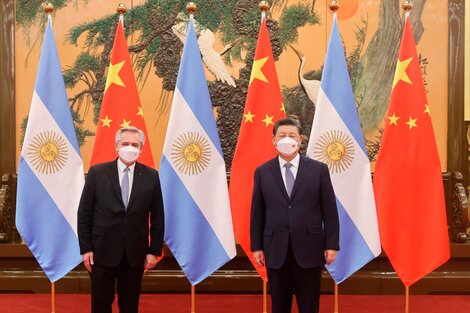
[{"x": 287, "y": 122}]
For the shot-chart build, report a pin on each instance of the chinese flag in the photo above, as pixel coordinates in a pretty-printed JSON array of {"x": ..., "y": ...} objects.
[
  {"x": 408, "y": 179},
  {"x": 121, "y": 105},
  {"x": 263, "y": 108}
]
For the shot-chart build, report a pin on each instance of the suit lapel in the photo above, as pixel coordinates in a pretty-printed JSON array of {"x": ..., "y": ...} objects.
[
  {"x": 301, "y": 174},
  {"x": 114, "y": 178},
  {"x": 135, "y": 183},
  {"x": 276, "y": 172}
]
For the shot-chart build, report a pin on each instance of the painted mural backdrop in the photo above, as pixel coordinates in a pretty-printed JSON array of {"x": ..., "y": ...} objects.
[{"x": 227, "y": 32}]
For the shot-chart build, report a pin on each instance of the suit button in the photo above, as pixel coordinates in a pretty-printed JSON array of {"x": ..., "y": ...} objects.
[
  {"x": 289, "y": 206},
  {"x": 288, "y": 228}
]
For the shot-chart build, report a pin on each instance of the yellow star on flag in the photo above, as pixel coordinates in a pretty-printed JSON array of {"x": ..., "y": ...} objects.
[
  {"x": 125, "y": 123},
  {"x": 412, "y": 123},
  {"x": 400, "y": 72},
  {"x": 140, "y": 112},
  {"x": 268, "y": 120},
  {"x": 427, "y": 110},
  {"x": 283, "y": 108},
  {"x": 106, "y": 122},
  {"x": 113, "y": 75},
  {"x": 393, "y": 119},
  {"x": 249, "y": 117},
  {"x": 256, "y": 72}
]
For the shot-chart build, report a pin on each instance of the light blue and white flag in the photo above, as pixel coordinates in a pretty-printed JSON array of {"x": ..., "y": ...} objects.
[
  {"x": 50, "y": 171},
  {"x": 336, "y": 139},
  {"x": 198, "y": 221}
]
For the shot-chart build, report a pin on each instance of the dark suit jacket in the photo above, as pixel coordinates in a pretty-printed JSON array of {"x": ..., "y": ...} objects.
[
  {"x": 104, "y": 226},
  {"x": 309, "y": 217}
]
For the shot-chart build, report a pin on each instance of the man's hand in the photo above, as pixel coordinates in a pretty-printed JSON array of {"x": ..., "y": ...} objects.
[
  {"x": 330, "y": 256},
  {"x": 88, "y": 260},
  {"x": 258, "y": 255},
  {"x": 150, "y": 262}
]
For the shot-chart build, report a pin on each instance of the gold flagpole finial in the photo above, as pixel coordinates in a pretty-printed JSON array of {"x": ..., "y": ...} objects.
[
  {"x": 334, "y": 6},
  {"x": 48, "y": 8},
  {"x": 191, "y": 7},
  {"x": 263, "y": 6},
  {"x": 121, "y": 8},
  {"x": 407, "y": 5}
]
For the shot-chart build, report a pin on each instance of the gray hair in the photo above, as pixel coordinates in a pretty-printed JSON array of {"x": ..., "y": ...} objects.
[{"x": 130, "y": 129}]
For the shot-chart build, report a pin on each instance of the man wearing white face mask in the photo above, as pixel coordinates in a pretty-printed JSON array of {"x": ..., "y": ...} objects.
[
  {"x": 118, "y": 201},
  {"x": 294, "y": 222}
]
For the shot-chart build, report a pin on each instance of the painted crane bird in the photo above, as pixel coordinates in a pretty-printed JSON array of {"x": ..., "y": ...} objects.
[{"x": 310, "y": 86}]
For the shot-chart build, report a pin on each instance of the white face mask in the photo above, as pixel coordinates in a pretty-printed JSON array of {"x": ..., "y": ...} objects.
[
  {"x": 129, "y": 153},
  {"x": 287, "y": 146}
]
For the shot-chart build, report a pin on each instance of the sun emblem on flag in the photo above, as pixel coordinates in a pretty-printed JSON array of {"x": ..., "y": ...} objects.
[
  {"x": 336, "y": 149},
  {"x": 191, "y": 153},
  {"x": 48, "y": 152}
]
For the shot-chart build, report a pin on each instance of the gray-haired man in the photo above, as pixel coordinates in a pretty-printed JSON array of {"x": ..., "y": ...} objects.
[{"x": 118, "y": 200}]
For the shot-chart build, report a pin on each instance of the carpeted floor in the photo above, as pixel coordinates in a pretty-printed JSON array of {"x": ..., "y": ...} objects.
[{"x": 178, "y": 303}]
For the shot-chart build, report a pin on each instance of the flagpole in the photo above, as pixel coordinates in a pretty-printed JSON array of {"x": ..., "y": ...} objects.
[
  {"x": 407, "y": 299},
  {"x": 191, "y": 7},
  {"x": 334, "y": 6},
  {"x": 121, "y": 9},
  {"x": 48, "y": 9},
  {"x": 264, "y": 7},
  {"x": 407, "y": 6},
  {"x": 53, "y": 297},
  {"x": 265, "y": 296},
  {"x": 193, "y": 299},
  {"x": 336, "y": 308}
]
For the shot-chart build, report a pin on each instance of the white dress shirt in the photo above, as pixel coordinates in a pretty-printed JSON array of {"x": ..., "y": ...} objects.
[
  {"x": 121, "y": 168},
  {"x": 294, "y": 168}
]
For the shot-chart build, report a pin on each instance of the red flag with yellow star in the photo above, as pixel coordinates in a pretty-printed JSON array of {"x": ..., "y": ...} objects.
[
  {"x": 408, "y": 178},
  {"x": 263, "y": 108},
  {"x": 121, "y": 105}
]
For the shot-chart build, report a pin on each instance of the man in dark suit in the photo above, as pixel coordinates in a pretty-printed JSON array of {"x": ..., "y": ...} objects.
[
  {"x": 119, "y": 200},
  {"x": 294, "y": 222}
]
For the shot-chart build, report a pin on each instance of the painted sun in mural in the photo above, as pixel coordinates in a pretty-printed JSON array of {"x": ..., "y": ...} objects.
[{"x": 347, "y": 9}]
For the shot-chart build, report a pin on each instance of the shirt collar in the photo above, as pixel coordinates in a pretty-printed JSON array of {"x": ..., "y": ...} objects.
[
  {"x": 295, "y": 161},
  {"x": 122, "y": 166}
]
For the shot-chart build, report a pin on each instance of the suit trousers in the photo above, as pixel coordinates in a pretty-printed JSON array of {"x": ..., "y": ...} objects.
[
  {"x": 291, "y": 279},
  {"x": 103, "y": 283}
]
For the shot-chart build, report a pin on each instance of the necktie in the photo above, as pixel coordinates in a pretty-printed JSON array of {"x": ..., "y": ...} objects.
[
  {"x": 125, "y": 187},
  {"x": 289, "y": 178}
]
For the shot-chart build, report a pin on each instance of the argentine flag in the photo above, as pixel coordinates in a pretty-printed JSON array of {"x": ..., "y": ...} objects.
[
  {"x": 337, "y": 140},
  {"x": 198, "y": 221},
  {"x": 50, "y": 171}
]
